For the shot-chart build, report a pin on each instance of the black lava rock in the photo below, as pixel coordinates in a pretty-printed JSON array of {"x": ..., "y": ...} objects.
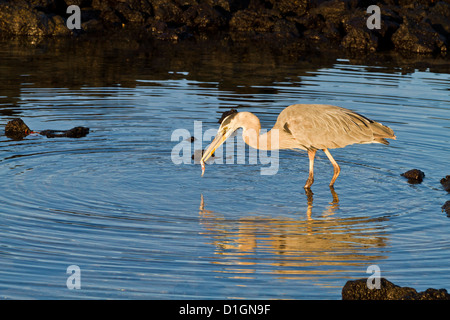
[
  {"x": 418, "y": 37},
  {"x": 77, "y": 132},
  {"x": 357, "y": 290},
  {"x": 446, "y": 208},
  {"x": 414, "y": 176},
  {"x": 446, "y": 183},
  {"x": 16, "y": 129}
]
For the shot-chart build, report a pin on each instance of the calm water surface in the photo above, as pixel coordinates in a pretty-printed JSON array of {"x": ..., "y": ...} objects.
[{"x": 141, "y": 227}]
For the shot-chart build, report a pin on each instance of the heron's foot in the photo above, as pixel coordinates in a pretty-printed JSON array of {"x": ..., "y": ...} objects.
[
  {"x": 309, "y": 183},
  {"x": 337, "y": 170}
]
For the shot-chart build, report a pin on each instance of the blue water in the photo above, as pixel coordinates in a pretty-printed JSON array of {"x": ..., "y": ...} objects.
[{"x": 141, "y": 227}]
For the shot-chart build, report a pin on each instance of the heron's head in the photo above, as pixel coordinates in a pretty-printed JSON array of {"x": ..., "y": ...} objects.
[{"x": 228, "y": 125}]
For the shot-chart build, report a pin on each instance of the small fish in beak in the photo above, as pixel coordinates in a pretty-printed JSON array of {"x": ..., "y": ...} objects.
[{"x": 203, "y": 167}]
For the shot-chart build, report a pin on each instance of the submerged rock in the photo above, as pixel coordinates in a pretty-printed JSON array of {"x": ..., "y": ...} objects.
[
  {"x": 16, "y": 129},
  {"x": 77, "y": 132},
  {"x": 446, "y": 208},
  {"x": 414, "y": 176},
  {"x": 357, "y": 290},
  {"x": 446, "y": 183}
]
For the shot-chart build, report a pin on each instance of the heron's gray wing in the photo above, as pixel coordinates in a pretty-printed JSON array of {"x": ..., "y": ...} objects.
[{"x": 324, "y": 126}]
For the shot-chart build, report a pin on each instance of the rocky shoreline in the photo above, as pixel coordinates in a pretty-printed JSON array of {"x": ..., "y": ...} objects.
[
  {"x": 358, "y": 290},
  {"x": 410, "y": 27}
]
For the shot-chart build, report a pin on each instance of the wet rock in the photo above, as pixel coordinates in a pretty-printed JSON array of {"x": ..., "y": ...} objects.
[
  {"x": 252, "y": 22},
  {"x": 323, "y": 23},
  {"x": 360, "y": 39},
  {"x": 31, "y": 19},
  {"x": 414, "y": 176},
  {"x": 446, "y": 208},
  {"x": 77, "y": 132},
  {"x": 204, "y": 17},
  {"x": 92, "y": 26},
  {"x": 333, "y": 10},
  {"x": 439, "y": 17},
  {"x": 418, "y": 37},
  {"x": 408, "y": 26},
  {"x": 16, "y": 129},
  {"x": 357, "y": 290},
  {"x": 446, "y": 183},
  {"x": 291, "y": 7},
  {"x": 161, "y": 30}
]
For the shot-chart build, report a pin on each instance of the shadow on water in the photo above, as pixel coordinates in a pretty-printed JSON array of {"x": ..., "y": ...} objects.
[{"x": 290, "y": 248}]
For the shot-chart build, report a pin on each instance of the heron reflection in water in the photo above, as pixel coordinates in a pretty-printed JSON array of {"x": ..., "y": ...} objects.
[
  {"x": 293, "y": 248},
  {"x": 309, "y": 127}
]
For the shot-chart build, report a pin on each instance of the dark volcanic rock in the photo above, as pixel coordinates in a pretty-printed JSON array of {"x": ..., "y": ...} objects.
[
  {"x": 291, "y": 7},
  {"x": 28, "y": 18},
  {"x": 414, "y": 176},
  {"x": 418, "y": 37},
  {"x": 204, "y": 17},
  {"x": 77, "y": 132},
  {"x": 263, "y": 23},
  {"x": 360, "y": 39},
  {"x": 446, "y": 208},
  {"x": 357, "y": 290},
  {"x": 16, "y": 129},
  {"x": 446, "y": 183},
  {"x": 439, "y": 18},
  {"x": 407, "y": 26}
]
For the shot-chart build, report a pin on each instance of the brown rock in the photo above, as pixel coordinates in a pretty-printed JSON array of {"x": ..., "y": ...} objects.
[
  {"x": 414, "y": 176},
  {"x": 16, "y": 129},
  {"x": 357, "y": 290},
  {"x": 446, "y": 183}
]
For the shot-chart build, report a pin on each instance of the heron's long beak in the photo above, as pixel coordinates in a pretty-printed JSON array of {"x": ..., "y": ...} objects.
[{"x": 216, "y": 143}]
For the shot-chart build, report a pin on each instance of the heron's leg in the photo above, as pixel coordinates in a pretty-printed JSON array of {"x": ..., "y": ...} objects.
[
  {"x": 335, "y": 166},
  {"x": 309, "y": 182}
]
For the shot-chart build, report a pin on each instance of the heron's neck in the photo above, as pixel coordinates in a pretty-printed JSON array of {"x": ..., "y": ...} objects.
[{"x": 252, "y": 137}]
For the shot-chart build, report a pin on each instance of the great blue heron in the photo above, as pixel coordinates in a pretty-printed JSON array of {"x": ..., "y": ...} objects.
[{"x": 304, "y": 126}]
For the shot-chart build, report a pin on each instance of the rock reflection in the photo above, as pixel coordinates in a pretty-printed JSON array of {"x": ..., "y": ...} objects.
[{"x": 294, "y": 248}]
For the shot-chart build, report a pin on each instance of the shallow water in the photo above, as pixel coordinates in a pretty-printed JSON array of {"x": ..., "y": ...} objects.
[{"x": 140, "y": 227}]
